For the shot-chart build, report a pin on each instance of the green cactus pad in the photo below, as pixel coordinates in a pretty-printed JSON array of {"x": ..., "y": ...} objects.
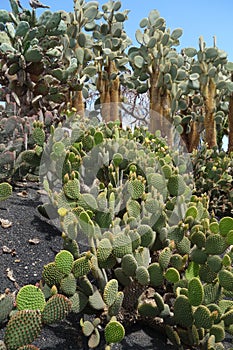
[
  {"x": 71, "y": 245},
  {"x": 195, "y": 292},
  {"x": 177, "y": 262},
  {"x": 6, "y": 305},
  {"x": 159, "y": 301},
  {"x": 199, "y": 239},
  {"x": 157, "y": 181},
  {"x": 191, "y": 211},
  {"x": 218, "y": 332},
  {"x": 23, "y": 328},
  {"x": 129, "y": 264},
  {"x": 147, "y": 235},
  {"x": 121, "y": 245},
  {"x": 78, "y": 302},
  {"x": 225, "y": 278},
  {"x": 167, "y": 171},
  {"x": 202, "y": 317},
  {"x": 199, "y": 256},
  {"x": 38, "y": 136},
  {"x": 135, "y": 239},
  {"x": 110, "y": 292},
  {"x": 136, "y": 188},
  {"x": 114, "y": 332},
  {"x": 122, "y": 277},
  {"x": 176, "y": 185},
  {"x": 133, "y": 208},
  {"x": 156, "y": 274},
  {"x": 225, "y": 225},
  {"x": 214, "y": 227},
  {"x": 148, "y": 309},
  {"x": 72, "y": 189},
  {"x": 173, "y": 336},
  {"x": 64, "y": 261},
  {"x": 68, "y": 285},
  {"x": 183, "y": 247},
  {"x": 30, "y": 297},
  {"x": 164, "y": 257},
  {"x": 96, "y": 301},
  {"x": 215, "y": 263},
  {"x": 153, "y": 206},
  {"x": 85, "y": 285},
  {"x": 228, "y": 318},
  {"x": 87, "y": 328},
  {"x": 56, "y": 309},
  {"x": 172, "y": 275},
  {"x": 51, "y": 275},
  {"x": 114, "y": 309},
  {"x": 5, "y": 191},
  {"x": 88, "y": 142},
  {"x": 104, "y": 249},
  {"x": 183, "y": 311},
  {"x": 142, "y": 275},
  {"x": 94, "y": 339},
  {"x": 206, "y": 274},
  {"x": 215, "y": 244},
  {"x": 81, "y": 267}
]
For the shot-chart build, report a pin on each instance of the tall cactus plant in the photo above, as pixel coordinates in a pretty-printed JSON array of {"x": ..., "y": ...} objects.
[
  {"x": 110, "y": 44},
  {"x": 157, "y": 67}
]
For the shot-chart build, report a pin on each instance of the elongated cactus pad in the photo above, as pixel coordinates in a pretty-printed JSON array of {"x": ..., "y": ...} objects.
[
  {"x": 129, "y": 264},
  {"x": 195, "y": 291},
  {"x": 23, "y": 328},
  {"x": 156, "y": 274},
  {"x": 5, "y": 191},
  {"x": 226, "y": 279},
  {"x": 64, "y": 261},
  {"x": 114, "y": 309},
  {"x": 110, "y": 292},
  {"x": 183, "y": 311},
  {"x": 6, "y": 305}
]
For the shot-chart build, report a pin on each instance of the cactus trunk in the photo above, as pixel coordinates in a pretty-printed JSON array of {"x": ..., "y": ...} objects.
[
  {"x": 109, "y": 94},
  {"x": 210, "y": 105},
  {"x": 78, "y": 103},
  {"x": 192, "y": 139},
  {"x": 160, "y": 103}
]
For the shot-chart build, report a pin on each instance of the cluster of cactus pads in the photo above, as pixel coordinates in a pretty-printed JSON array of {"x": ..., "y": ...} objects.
[
  {"x": 29, "y": 311},
  {"x": 213, "y": 172},
  {"x": 138, "y": 245}
]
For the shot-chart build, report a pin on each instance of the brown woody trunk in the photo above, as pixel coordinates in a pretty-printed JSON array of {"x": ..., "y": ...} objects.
[
  {"x": 209, "y": 122},
  {"x": 191, "y": 139},
  {"x": 160, "y": 107},
  {"x": 230, "y": 123},
  {"x": 78, "y": 103},
  {"x": 109, "y": 91}
]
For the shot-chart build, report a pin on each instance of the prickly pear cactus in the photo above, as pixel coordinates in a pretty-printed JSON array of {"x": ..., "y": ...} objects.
[{"x": 5, "y": 191}]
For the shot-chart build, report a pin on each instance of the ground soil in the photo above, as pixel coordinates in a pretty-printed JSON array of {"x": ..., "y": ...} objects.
[{"x": 22, "y": 261}]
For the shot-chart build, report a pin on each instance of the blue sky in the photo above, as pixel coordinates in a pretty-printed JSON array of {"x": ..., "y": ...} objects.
[{"x": 199, "y": 17}]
